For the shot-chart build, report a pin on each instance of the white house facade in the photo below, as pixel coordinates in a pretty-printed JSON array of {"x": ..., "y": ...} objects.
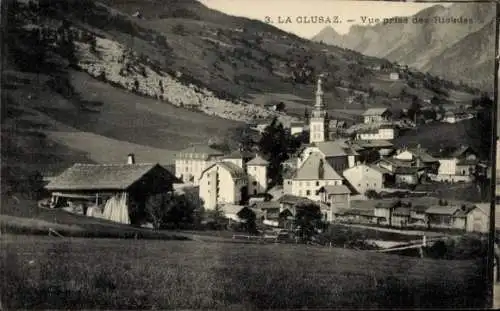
[
  {"x": 366, "y": 177},
  {"x": 191, "y": 162}
]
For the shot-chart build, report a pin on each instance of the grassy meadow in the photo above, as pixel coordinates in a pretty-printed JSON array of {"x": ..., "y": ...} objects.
[{"x": 44, "y": 272}]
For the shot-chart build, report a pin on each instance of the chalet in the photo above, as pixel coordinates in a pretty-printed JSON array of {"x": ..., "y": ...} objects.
[
  {"x": 365, "y": 177},
  {"x": 401, "y": 216},
  {"x": 417, "y": 157},
  {"x": 336, "y": 198},
  {"x": 473, "y": 218},
  {"x": 357, "y": 216},
  {"x": 394, "y": 76},
  {"x": 441, "y": 216},
  {"x": 117, "y": 192},
  {"x": 382, "y": 132},
  {"x": 456, "y": 116},
  {"x": 418, "y": 217},
  {"x": 383, "y": 147},
  {"x": 377, "y": 115},
  {"x": 456, "y": 164},
  {"x": 237, "y": 213},
  {"x": 291, "y": 202},
  {"x": 408, "y": 175},
  {"x": 273, "y": 214}
]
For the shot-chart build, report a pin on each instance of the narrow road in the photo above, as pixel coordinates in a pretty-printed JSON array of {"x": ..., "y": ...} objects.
[{"x": 405, "y": 232}]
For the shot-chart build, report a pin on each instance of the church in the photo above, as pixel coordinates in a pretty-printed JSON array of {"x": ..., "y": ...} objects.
[{"x": 322, "y": 161}]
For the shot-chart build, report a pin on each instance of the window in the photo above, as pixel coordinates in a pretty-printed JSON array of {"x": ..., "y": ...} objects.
[
  {"x": 317, "y": 183},
  {"x": 308, "y": 192},
  {"x": 254, "y": 183}
]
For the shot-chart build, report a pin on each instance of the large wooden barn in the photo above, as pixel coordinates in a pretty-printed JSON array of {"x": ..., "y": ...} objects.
[{"x": 116, "y": 192}]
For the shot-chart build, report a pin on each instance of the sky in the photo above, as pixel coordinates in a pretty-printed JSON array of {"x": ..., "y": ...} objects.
[{"x": 297, "y": 9}]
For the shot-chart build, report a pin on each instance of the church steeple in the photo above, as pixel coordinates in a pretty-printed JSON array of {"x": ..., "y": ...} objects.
[{"x": 318, "y": 125}]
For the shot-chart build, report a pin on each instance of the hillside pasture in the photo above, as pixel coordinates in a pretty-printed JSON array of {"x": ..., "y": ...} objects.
[{"x": 52, "y": 273}]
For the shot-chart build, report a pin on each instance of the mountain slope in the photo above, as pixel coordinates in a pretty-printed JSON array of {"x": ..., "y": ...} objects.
[
  {"x": 420, "y": 44},
  {"x": 90, "y": 82}
]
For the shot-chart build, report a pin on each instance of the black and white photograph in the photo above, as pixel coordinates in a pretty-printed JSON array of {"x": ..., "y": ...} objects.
[{"x": 249, "y": 154}]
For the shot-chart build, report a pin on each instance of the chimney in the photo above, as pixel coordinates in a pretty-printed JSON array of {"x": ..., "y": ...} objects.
[{"x": 130, "y": 158}]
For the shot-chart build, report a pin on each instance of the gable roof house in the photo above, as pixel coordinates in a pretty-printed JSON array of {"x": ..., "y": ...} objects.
[
  {"x": 456, "y": 164},
  {"x": 117, "y": 192},
  {"x": 377, "y": 115}
]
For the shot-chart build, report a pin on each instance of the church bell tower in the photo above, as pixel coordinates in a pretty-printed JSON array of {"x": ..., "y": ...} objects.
[{"x": 318, "y": 124}]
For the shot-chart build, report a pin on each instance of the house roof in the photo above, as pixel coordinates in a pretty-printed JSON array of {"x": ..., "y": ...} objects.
[
  {"x": 258, "y": 160},
  {"x": 423, "y": 155},
  {"x": 442, "y": 210},
  {"x": 267, "y": 205},
  {"x": 293, "y": 199},
  {"x": 419, "y": 208},
  {"x": 199, "y": 151},
  {"x": 464, "y": 211},
  {"x": 231, "y": 209},
  {"x": 238, "y": 154},
  {"x": 297, "y": 124},
  {"x": 403, "y": 170},
  {"x": 452, "y": 152},
  {"x": 336, "y": 189},
  {"x": 375, "y": 111},
  {"x": 379, "y": 169},
  {"x": 310, "y": 169},
  {"x": 374, "y": 144},
  {"x": 233, "y": 169},
  {"x": 401, "y": 211},
  {"x": 335, "y": 148},
  {"x": 356, "y": 212},
  {"x": 101, "y": 176}
]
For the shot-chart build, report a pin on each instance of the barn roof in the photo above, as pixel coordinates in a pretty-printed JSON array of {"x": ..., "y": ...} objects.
[
  {"x": 337, "y": 189},
  {"x": 233, "y": 169},
  {"x": 442, "y": 210},
  {"x": 199, "y": 151},
  {"x": 375, "y": 111},
  {"x": 101, "y": 176}
]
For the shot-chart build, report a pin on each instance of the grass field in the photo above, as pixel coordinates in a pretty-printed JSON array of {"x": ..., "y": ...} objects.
[{"x": 42, "y": 272}]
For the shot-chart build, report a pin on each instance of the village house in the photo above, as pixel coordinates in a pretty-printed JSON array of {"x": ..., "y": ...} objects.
[
  {"x": 335, "y": 198},
  {"x": 418, "y": 217},
  {"x": 117, "y": 192},
  {"x": 358, "y": 216},
  {"x": 456, "y": 116},
  {"x": 383, "y": 147},
  {"x": 377, "y": 115},
  {"x": 382, "y": 132},
  {"x": 291, "y": 202},
  {"x": 192, "y": 161},
  {"x": 441, "y": 216},
  {"x": 394, "y": 76},
  {"x": 274, "y": 214},
  {"x": 401, "y": 216},
  {"x": 456, "y": 164},
  {"x": 402, "y": 171},
  {"x": 231, "y": 181},
  {"x": 473, "y": 218},
  {"x": 313, "y": 174},
  {"x": 297, "y": 128},
  {"x": 364, "y": 177},
  {"x": 337, "y": 153},
  {"x": 417, "y": 157}
]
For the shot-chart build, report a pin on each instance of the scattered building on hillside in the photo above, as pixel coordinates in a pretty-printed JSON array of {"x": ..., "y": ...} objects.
[
  {"x": 377, "y": 115},
  {"x": 297, "y": 128},
  {"x": 417, "y": 157},
  {"x": 456, "y": 164},
  {"x": 456, "y": 116},
  {"x": 382, "y": 132},
  {"x": 394, "y": 76},
  {"x": 363, "y": 177},
  {"x": 117, "y": 192},
  {"x": 231, "y": 180},
  {"x": 192, "y": 161}
]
